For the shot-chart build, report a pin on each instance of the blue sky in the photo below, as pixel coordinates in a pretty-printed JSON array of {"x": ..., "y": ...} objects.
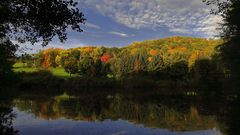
[{"x": 121, "y": 22}]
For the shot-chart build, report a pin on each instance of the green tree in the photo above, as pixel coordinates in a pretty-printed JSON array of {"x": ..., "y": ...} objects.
[
  {"x": 53, "y": 53},
  {"x": 230, "y": 51},
  {"x": 35, "y": 21},
  {"x": 27, "y": 60},
  {"x": 7, "y": 54},
  {"x": 39, "y": 20},
  {"x": 39, "y": 59},
  {"x": 86, "y": 67},
  {"x": 69, "y": 60},
  {"x": 71, "y": 65}
]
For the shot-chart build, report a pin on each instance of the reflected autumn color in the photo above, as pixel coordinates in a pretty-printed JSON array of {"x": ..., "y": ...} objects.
[
  {"x": 158, "y": 112},
  {"x": 202, "y": 107}
]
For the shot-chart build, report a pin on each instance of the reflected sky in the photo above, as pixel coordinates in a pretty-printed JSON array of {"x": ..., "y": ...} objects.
[{"x": 28, "y": 124}]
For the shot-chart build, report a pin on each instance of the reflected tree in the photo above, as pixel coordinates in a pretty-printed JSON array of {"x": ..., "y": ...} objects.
[
  {"x": 176, "y": 114},
  {"x": 6, "y": 118}
]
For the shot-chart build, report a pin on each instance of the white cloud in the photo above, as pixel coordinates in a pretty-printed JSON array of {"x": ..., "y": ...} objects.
[
  {"x": 180, "y": 16},
  {"x": 90, "y": 25},
  {"x": 118, "y": 34},
  {"x": 29, "y": 48},
  {"x": 209, "y": 25},
  {"x": 180, "y": 30}
]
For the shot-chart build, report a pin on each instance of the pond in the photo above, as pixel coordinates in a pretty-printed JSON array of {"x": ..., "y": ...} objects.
[
  {"x": 29, "y": 124},
  {"x": 111, "y": 113}
]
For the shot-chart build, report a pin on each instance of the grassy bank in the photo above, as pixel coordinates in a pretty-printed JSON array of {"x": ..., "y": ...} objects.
[
  {"x": 58, "y": 72},
  {"x": 55, "y": 79}
]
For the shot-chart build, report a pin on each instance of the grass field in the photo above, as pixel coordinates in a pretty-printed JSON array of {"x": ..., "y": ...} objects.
[
  {"x": 19, "y": 67},
  {"x": 60, "y": 72}
]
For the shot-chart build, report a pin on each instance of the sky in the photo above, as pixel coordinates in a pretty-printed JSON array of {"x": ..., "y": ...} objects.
[{"x": 117, "y": 23}]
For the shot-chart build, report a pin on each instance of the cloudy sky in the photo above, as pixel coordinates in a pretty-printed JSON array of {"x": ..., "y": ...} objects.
[{"x": 121, "y": 22}]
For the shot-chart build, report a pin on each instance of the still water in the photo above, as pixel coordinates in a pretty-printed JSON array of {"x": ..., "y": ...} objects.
[
  {"x": 110, "y": 114},
  {"x": 29, "y": 124}
]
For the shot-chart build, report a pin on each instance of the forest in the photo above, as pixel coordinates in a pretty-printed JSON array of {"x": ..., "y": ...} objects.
[{"x": 167, "y": 58}]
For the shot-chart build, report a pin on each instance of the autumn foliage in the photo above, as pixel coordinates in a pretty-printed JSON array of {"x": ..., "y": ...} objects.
[
  {"x": 154, "y": 56},
  {"x": 105, "y": 58}
]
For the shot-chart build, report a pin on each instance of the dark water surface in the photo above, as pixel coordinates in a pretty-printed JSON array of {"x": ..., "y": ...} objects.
[
  {"x": 28, "y": 124},
  {"x": 112, "y": 113}
]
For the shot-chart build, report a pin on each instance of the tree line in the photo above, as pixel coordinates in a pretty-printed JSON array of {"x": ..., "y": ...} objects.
[{"x": 170, "y": 57}]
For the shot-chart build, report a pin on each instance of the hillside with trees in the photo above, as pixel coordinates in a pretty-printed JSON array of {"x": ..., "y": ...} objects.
[{"x": 171, "y": 58}]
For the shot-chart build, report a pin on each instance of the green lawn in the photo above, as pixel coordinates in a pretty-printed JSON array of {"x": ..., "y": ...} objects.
[
  {"x": 60, "y": 72},
  {"x": 19, "y": 67}
]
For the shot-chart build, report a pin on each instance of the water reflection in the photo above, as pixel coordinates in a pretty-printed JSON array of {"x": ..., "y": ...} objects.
[
  {"x": 6, "y": 119},
  {"x": 150, "y": 113},
  {"x": 107, "y": 127},
  {"x": 118, "y": 112},
  {"x": 115, "y": 113}
]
